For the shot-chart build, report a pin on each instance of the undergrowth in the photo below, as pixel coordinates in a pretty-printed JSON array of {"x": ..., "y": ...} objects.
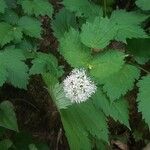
[{"x": 112, "y": 45}]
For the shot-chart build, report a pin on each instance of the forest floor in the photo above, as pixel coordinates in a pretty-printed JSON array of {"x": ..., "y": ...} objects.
[{"x": 37, "y": 114}]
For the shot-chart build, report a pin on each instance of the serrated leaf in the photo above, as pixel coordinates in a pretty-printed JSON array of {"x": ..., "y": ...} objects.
[
  {"x": 37, "y": 7},
  {"x": 9, "y": 33},
  {"x": 28, "y": 48},
  {"x": 81, "y": 121},
  {"x": 59, "y": 97},
  {"x": 74, "y": 52},
  {"x": 56, "y": 91},
  {"x": 3, "y": 75},
  {"x": 44, "y": 63},
  {"x": 140, "y": 49},
  {"x": 83, "y": 8},
  {"x": 11, "y": 3},
  {"x": 11, "y": 17},
  {"x": 30, "y": 26},
  {"x": 2, "y": 6},
  {"x": 77, "y": 137},
  {"x": 106, "y": 63},
  {"x": 128, "y": 29},
  {"x": 5, "y": 144},
  {"x": 118, "y": 109},
  {"x": 143, "y": 4},
  {"x": 93, "y": 120},
  {"x": 13, "y": 69},
  {"x": 62, "y": 22},
  {"x": 98, "y": 34},
  {"x": 144, "y": 98},
  {"x": 7, "y": 116},
  {"x": 117, "y": 84}
]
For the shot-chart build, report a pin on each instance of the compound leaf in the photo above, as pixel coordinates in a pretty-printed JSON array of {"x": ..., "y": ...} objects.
[
  {"x": 11, "y": 17},
  {"x": 119, "y": 83},
  {"x": 2, "y": 6},
  {"x": 106, "y": 63},
  {"x": 83, "y": 8},
  {"x": 13, "y": 69},
  {"x": 140, "y": 49},
  {"x": 98, "y": 34},
  {"x": 9, "y": 33},
  {"x": 84, "y": 120},
  {"x": 76, "y": 135},
  {"x": 76, "y": 54},
  {"x": 143, "y": 4},
  {"x": 128, "y": 29},
  {"x": 118, "y": 109},
  {"x": 62, "y": 23},
  {"x": 144, "y": 98},
  {"x": 30, "y": 26},
  {"x": 44, "y": 63},
  {"x": 37, "y": 7}
]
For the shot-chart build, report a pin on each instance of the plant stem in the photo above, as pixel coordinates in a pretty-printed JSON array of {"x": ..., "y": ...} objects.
[
  {"x": 143, "y": 69},
  {"x": 138, "y": 66}
]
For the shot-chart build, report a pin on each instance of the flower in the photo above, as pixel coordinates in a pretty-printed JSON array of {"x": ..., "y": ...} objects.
[{"x": 78, "y": 87}]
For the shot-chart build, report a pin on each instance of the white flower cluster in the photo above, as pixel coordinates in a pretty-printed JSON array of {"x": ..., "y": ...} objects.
[{"x": 78, "y": 87}]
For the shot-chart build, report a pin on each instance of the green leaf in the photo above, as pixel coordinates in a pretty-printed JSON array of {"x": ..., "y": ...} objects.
[
  {"x": 117, "y": 84},
  {"x": 98, "y": 34},
  {"x": 44, "y": 63},
  {"x": 12, "y": 68},
  {"x": 128, "y": 29},
  {"x": 82, "y": 120},
  {"x": 106, "y": 63},
  {"x": 93, "y": 120},
  {"x": 143, "y": 4},
  {"x": 59, "y": 98},
  {"x": 74, "y": 52},
  {"x": 30, "y": 26},
  {"x": 9, "y": 33},
  {"x": 5, "y": 144},
  {"x": 7, "y": 116},
  {"x": 76, "y": 135},
  {"x": 3, "y": 75},
  {"x": 37, "y": 7},
  {"x": 28, "y": 48},
  {"x": 140, "y": 49},
  {"x": 62, "y": 23},
  {"x": 118, "y": 109},
  {"x": 50, "y": 81},
  {"x": 100, "y": 145},
  {"x": 144, "y": 98},
  {"x": 32, "y": 147},
  {"x": 56, "y": 91},
  {"x": 11, "y": 17},
  {"x": 2, "y": 6},
  {"x": 11, "y": 3},
  {"x": 83, "y": 8}
]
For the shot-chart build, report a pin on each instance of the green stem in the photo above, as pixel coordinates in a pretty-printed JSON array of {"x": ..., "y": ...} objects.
[
  {"x": 136, "y": 65},
  {"x": 143, "y": 69}
]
